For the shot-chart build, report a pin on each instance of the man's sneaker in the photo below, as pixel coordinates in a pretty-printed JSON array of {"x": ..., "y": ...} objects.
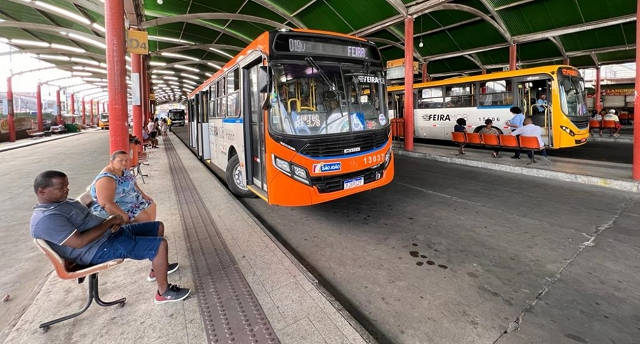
[
  {"x": 171, "y": 268},
  {"x": 172, "y": 294}
]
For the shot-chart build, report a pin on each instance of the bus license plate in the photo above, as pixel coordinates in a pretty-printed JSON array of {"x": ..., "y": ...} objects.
[{"x": 352, "y": 183}]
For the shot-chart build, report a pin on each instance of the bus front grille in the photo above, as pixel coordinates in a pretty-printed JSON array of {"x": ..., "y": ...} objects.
[
  {"x": 336, "y": 182},
  {"x": 581, "y": 122},
  {"x": 338, "y": 146}
]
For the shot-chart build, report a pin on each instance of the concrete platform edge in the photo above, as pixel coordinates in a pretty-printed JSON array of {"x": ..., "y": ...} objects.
[{"x": 576, "y": 178}]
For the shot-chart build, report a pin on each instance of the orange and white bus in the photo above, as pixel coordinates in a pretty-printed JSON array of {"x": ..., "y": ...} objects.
[
  {"x": 298, "y": 117},
  {"x": 563, "y": 115}
]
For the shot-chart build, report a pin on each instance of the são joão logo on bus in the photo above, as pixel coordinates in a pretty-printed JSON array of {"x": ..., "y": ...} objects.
[{"x": 327, "y": 167}]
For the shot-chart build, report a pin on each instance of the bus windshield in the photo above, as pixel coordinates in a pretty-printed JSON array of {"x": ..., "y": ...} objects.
[
  {"x": 316, "y": 100},
  {"x": 572, "y": 95}
]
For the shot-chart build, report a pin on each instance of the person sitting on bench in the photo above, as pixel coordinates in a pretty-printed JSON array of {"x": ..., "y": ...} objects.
[{"x": 80, "y": 237}]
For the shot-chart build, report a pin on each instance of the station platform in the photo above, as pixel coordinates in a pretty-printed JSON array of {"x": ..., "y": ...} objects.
[
  {"x": 601, "y": 173},
  {"x": 294, "y": 307},
  {"x": 203, "y": 222}
]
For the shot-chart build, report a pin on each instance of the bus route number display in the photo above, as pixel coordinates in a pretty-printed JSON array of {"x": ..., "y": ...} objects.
[{"x": 301, "y": 46}]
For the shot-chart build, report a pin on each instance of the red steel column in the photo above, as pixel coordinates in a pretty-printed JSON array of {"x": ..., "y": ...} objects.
[
  {"x": 143, "y": 90},
  {"x": 484, "y": 71},
  {"x": 91, "y": 111},
  {"x": 116, "y": 78},
  {"x": 39, "y": 107},
  {"x": 73, "y": 108},
  {"x": 596, "y": 100},
  {"x": 137, "y": 109},
  {"x": 58, "y": 107},
  {"x": 84, "y": 113},
  {"x": 513, "y": 56},
  {"x": 566, "y": 61},
  {"x": 12, "y": 123},
  {"x": 408, "y": 83},
  {"x": 425, "y": 76},
  {"x": 636, "y": 126}
]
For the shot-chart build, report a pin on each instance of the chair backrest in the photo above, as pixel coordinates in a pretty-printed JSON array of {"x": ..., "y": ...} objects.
[
  {"x": 607, "y": 123},
  {"x": 491, "y": 139},
  {"x": 474, "y": 138},
  {"x": 509, "y": 141},
  {"x": 86, "y": 199},
  {"x": 594, "y": 123},
  {"x": 529, "y": 142},
  {"x": 458, "y": 137},
  {"x": 59, "y": 264}
]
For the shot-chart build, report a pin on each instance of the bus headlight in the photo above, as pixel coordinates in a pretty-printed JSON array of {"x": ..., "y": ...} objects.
[
  {"x": 282, "y": 165},
  {"x": 387, "y": 158},
  {"x": 299, "y": 173},
  {"x": 567, "y": 130}
]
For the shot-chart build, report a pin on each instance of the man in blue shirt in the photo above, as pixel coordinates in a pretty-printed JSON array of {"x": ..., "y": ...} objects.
[
  {"x": 80, "y": 237},
  {"x": 516, "y": 122},
  {"x": 542, "y": 103}
]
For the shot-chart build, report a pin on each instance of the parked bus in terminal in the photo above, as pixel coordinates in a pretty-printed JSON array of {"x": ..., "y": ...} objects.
[
  {"x": 297, "y": 118},
  {"x": 103, "y": 121},
  {"x": 563, "y": 115}
]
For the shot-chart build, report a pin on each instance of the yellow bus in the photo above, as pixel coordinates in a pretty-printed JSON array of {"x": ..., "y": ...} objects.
[
  {"x": 298, "y": 117},
  {"x": 554, "y": 96}
]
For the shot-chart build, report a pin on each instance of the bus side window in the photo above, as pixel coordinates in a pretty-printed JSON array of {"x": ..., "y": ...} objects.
[{"x": 430, "y": 98}]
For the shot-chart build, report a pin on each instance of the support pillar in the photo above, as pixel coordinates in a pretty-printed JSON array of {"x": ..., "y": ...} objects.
[
  {"x": 116, "y": 78},
  {"x": 596, "y": 101},
  {"x": 408, "y": 83},
  {"x": 58, "y": 108},
  {"x": 565, "y": 61},
  {"x": 91, "y": 112},
  {"x": 513, "y": 56},
  {"x": 484, "y": 71},
  {"x": 39, "y": 107},
  {"x": 425, "y": 75},
  {"x": 11, "y": 121},
  {"x": 136, "y": 105},
  {"x": 84, "y": 113},
  {"x": 636, "y": 126},
  {"x": 72, "y": 108}
]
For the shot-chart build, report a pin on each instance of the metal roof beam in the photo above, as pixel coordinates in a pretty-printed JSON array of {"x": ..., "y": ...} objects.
[
  {"x": 51, "y": 29},
  {"x": 41, "y": 69},
  {"x": 399, "y": 6},
  {"x": 416, "y": 54},
  {"x": 517, "y": 3},
  {"x": 53, "y": 51},
  {"x": 466, "y": 52},
  {"x": 190, "y": 47},
  {"x": 188, "y": 18},
  {"x": 558, "y": 44},
  {"x": 601, "y": 50},
  {"x": 495, "y": 16},
  {"x": 414, "y": 11},
  {"x": 475, "y": 60},
  {"x": 574, "y": 28},
  {"x": 468, "y": 9},
  {"x": 594, "y": 57},
  {"x": 280, "y": 12},
  {"x": 134, "y": 12}
]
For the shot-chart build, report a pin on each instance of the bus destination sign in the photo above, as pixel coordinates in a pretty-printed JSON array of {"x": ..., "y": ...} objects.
[{"x": 321, "y": 48}]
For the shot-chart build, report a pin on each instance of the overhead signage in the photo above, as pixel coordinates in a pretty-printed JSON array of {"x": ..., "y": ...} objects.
[
  {"x": 311, "y": 46},
  {"x": 137, "y": 42}
]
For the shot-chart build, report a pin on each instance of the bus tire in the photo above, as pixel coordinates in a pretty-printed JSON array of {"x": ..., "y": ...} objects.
[{"x": 235, "y": 179}]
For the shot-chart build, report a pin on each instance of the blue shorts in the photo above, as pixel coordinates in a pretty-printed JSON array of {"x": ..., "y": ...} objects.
[{"x": 137, "y": 241}]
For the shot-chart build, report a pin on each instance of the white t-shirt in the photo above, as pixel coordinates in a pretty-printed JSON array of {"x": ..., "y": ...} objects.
[{"x": 530, "y": 130}]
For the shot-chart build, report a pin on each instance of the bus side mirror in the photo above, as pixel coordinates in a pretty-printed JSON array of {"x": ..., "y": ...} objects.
[{"x": 263, "y": 79}]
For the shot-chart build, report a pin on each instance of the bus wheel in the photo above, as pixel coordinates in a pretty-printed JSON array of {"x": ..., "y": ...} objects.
[{"x": 235, "y": 179}]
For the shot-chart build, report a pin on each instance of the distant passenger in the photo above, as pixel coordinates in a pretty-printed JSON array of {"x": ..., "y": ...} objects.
[
  {"x": 461, "y": 127},
  {"x": 541, "y": 104},
  {"x": 530, "y": 129},
  {"x": 489, "y": 129},
  {"x": 515, "y": 123},
  {"x": 612, "y": 116},
  {"x": 599, "y": 117}
]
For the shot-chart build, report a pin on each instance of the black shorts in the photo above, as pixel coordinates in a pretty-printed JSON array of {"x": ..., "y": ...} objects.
[{"x": 153, "y": 134}]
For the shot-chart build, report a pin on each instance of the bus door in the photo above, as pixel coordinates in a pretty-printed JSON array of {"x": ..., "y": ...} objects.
[
  {"x": 529, "y": 92},
  {"x": 254, "y": 127}
]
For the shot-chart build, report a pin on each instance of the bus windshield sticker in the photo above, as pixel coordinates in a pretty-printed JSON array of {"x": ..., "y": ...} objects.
[{"x": 382, "y": 119}]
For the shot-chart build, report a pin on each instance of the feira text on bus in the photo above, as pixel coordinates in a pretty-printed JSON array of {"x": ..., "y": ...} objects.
[{"x": 554, "y": 96}]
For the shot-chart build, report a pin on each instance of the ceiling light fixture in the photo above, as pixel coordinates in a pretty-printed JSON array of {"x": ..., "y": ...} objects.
[{"x": 421, "y": 44}]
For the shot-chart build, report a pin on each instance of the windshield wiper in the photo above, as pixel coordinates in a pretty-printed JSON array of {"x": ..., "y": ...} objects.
[{"x": 324, "y": 77}]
